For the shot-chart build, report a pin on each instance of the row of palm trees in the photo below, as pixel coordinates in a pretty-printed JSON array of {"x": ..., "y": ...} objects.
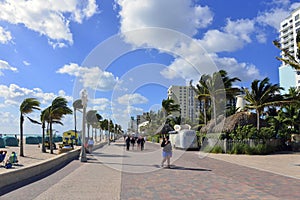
[{"x": 54, "y": 114}]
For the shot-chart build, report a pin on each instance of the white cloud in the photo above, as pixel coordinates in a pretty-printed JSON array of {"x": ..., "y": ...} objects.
[
  {"x": 92, "y": 77},
  {"x": 181, "y": 16},
  {"x": 14, "y": 95},
  {"x": 178, "y": 15},
  {"x": 49, "y": 18},
  {"x": 5, "y": 36},
  {"x": 5, "y": 66},
  {"x": 131, "y": 99},
  {"x": 245, "y": 71},
  {"x": 26, "y": 63},
  {"x": 279, "y": 11},
  {"x": 273, "y": 17},
  {"x": 101, "y": 104}
]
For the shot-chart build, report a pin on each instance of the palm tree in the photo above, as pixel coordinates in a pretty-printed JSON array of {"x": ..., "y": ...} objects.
[
  {"x": 169, "y": 106},
  {"x": 76, "y": 105},
  {"x": 203, "y": 96},
  {"x": 57, "y": 110},
  {"x": 210, "y": 88},
  {"x": 44, "y": 118},
  {"x": 27, "y": 106},
  {"x": 262, "y": 94},
  {"x": 91, "y": 119}
]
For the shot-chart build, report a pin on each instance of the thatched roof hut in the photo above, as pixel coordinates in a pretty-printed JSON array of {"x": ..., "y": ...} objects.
[{"x": 232, "y": 122}]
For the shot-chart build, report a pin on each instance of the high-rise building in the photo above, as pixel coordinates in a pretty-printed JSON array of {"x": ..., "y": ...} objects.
[
  {"x": 289, "y": 77},
  {"x": 185, "y": 97}
]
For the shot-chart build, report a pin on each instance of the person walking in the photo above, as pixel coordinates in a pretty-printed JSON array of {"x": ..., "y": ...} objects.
[
  {"x": 132, "y": 142},
  {"x": 127, "y": 143},
  {"x": 142, "y": 142},
  {"x": 166, "y": 151},
  {"x": 90, "y": 144}
]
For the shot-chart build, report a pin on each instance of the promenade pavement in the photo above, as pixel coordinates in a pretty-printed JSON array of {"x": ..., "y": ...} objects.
[
  {"x": 286, "y": 164},
  {"x": 114, "y": 173}
]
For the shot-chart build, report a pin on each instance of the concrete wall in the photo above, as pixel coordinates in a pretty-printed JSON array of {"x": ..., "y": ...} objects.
[{"x": 36, "y": 169}]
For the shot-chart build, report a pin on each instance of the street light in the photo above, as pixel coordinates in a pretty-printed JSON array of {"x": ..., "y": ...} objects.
[{"x": 84, "y": 100}]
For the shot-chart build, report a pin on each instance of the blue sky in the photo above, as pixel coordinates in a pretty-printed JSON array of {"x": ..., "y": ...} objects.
[{"x": 127, "y": 52}]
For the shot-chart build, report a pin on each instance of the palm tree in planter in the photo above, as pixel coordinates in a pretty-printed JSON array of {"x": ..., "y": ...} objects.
[
  {"x": 262, "y": 94},
  {"x": 27, "y": 106},
  {"x": 57, "y": 110}
]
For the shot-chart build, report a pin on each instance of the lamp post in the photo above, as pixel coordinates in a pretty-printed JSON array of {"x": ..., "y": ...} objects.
[{"x": 84, "y": 100}]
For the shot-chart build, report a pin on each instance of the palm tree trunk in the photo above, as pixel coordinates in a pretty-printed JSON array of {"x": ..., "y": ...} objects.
[
  {"x": 204, "y": 113},
  {"x": 257, "y": 119},
  {"x": 214, "y": 109},
  {"x": 43, "y": 138},
  {"x": 50, "y": 138},
  {"x": 21, "y": 136},
  {"x": 75, "y": 119}
]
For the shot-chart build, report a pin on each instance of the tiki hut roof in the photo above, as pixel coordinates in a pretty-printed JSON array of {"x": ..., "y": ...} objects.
[{"x": 232, "y": 122}]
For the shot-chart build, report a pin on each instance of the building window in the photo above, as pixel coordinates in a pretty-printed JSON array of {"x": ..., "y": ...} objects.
[
  {"x": 296, "y": 17},
  {"x": 284, "y": 25},
  {"x": 297, "y": 24}
]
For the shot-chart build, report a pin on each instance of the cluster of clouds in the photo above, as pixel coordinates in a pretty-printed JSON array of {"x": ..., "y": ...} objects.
[
  {"x": 52, "y": 19},
  {"x": 49, "y": 18}
]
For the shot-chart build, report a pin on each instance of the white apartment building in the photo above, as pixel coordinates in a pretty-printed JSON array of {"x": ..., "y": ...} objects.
[
  {"x": 185, "y": 97},
  {"x": 289, "y": 27}
]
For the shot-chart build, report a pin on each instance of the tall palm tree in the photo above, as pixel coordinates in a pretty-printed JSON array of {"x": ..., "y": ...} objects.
[
  {"x": 212, "y": 87},
  {"x": 203, "y": 96},
  {"x": 44, "y": 118},
  {"x": 262, "y": 94},
  {"x": 91, "y": 119},
  {"x": 57, "y": 110},
  {"x": 27, "y": 106},
  {"x": 77, "y": 105}
]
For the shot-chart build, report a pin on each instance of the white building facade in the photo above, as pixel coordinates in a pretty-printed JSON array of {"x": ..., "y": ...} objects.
[
  {"x": 289, "y": 77},
  {"x": 185, "y": 97}
]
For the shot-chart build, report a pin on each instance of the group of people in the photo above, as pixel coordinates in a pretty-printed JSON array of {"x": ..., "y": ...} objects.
[{"x": 131, "y": 140}]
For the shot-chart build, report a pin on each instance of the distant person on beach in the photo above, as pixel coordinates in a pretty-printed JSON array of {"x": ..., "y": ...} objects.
[{"x": 166, "y": 151}]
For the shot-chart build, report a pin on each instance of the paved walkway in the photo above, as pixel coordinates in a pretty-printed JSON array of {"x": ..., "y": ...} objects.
[{"x": 114, "y": 173}]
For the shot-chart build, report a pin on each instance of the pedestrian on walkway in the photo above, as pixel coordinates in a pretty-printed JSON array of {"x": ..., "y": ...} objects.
[
  {"x": 127, "y": 143},
  {"x": 166, "y": 151},
  {"x": 90, "y": 144},
  {"x": 132, "y": 142},
  {"x": 142, "y": 142}
]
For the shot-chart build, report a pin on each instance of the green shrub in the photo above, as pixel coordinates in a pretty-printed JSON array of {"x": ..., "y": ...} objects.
[
  {"x": 217, "y": 149},
  {"x": 249, "y": 150},
  {"x": 207, "y": 148},
  {"x": 238, "y": 148}
]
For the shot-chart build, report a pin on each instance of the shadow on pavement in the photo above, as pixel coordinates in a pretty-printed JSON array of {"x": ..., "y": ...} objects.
[{"x": 188, "y": 168}]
